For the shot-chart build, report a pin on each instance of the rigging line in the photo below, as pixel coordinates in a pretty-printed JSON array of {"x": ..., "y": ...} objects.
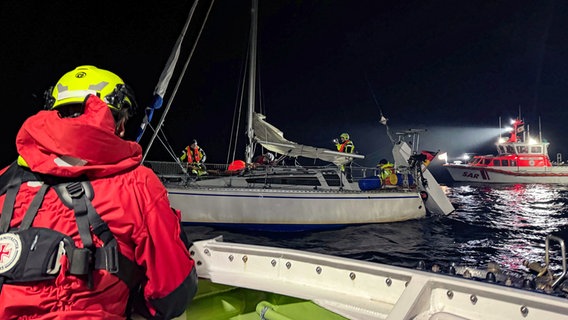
[
  {"x": 373, "y": 93},
  {"x": 237, "y": 112},
  {"x": 383, "y": 120},
  {"x": 180, "y": 78},
  {"x": 165, "y": 77},
  {"x": 164, "y": 141}
]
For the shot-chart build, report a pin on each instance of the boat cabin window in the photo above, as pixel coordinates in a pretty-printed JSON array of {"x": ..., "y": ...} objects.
[
  {"x": 501, "y": 163},
  {"x": 486, "y": 161},
  {"x": 510, "y": 150},
  {"x": 304, "y": 181},
  {"x": 536, "y": 149},
  {"x": 332, "y": 179},
  {"x": 522, "y": 149}
]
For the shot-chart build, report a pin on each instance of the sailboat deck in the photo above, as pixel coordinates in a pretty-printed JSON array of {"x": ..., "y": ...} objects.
[{"x": 292, "y": 179}]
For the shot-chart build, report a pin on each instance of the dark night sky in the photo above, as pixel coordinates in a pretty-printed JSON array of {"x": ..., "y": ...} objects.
[{"x": 325, "y": 66}]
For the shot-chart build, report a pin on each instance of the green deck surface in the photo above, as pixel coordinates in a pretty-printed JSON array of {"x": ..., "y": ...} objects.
[{"x": 220, "y": 302}]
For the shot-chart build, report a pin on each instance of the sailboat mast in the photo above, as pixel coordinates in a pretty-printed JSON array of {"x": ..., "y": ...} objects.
[{"x": 252, "y": 80}]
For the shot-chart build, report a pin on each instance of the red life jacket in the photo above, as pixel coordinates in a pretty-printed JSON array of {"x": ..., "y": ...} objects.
[{"x": 193, "y": 155}]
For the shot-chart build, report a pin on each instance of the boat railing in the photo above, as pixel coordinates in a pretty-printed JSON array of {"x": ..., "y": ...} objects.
[
  {"x": 172, "y": 170},
  {"x": 545, "y": 273}
]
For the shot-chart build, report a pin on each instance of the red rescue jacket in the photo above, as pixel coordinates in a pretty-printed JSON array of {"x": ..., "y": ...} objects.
[{"x": 129, "y": 197}]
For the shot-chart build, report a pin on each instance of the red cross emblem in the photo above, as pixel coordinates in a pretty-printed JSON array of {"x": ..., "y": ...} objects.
[{"x": 4, "y": 252}]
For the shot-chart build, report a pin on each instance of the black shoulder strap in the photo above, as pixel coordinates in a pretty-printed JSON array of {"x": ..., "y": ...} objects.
[
  {"x": 10, "y": 182},
  {"x": 34, "y": 207},
  {"x": 108, "y": 257},
  {"x": 75, "y": 194}
]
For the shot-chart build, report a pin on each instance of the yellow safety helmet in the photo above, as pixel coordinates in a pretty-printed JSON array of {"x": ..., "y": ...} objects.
[
  {"x": 77, "y": 84},
  {"x": 344, "y": 136}
]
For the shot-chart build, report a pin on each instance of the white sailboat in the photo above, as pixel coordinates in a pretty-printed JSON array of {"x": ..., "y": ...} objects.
[{"x": 297, "y": 198}]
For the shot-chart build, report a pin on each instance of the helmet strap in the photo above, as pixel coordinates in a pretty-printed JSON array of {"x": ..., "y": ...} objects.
[{"x": 120, "y": 129}]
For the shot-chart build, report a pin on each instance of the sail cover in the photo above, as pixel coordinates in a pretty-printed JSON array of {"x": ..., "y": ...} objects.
[{"x": 272, "y": 139}]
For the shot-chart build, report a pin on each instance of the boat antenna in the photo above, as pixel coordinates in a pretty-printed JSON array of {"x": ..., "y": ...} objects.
[
  {"x": 500, "y": 129},
  {"x": 539, "y": 130},
  {"x": 166, "y": 75},
  {"x": 382, "y": 120}
]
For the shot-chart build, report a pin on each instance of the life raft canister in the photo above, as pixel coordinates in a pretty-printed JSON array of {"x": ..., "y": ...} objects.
[{"x": 391, "y": 179}]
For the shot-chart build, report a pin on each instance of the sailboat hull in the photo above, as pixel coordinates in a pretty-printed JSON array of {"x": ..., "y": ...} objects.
[{"x": 289, "y": 210}]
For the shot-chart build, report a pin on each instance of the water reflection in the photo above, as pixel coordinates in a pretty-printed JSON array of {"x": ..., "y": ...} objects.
[{"x": 514, "y": 221}]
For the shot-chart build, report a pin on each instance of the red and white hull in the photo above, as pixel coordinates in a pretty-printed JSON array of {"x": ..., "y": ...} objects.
[{"x": 468, "y": 173}]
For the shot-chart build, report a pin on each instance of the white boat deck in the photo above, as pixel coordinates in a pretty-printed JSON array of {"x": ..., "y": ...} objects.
[{"x": 364, "y": 290}]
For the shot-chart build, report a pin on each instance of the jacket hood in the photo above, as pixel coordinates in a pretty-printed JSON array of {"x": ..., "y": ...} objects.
[{"x": 70, "y": 147}]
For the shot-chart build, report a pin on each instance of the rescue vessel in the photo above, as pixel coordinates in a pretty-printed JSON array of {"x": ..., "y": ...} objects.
[{"x": 520, "y": 159}]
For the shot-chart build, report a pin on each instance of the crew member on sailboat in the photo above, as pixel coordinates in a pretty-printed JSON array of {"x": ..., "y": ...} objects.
[
  {"x": 347, "y": 146},
  {"x": 195, "y": 157},
  {"x": 386, "y": 168},
  {"x": 264, "y": 159}
]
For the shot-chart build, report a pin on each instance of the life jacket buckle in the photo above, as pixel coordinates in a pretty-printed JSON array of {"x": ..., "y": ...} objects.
[
  {"x": 55, "y": 263},
  {"x": 75, "y": 189},
  {"x": 81, "y": 262},
  {"x": 111, "y": 258}
]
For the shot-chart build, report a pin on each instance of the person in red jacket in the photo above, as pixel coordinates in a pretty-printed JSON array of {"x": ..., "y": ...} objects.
[{"x": 79, "y": 138}]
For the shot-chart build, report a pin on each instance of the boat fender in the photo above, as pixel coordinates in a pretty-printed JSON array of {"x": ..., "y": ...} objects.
[
  {"x": 424, "y": 195},
  {"x": 490, "y": 277},
  {"x": 452, "y": 270},
  {"x": 421, "y": 265},
  {"x": 529, "y": 284}
]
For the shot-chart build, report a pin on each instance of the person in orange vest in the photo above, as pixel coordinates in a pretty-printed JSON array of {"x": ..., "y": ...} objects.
[
  {"x": 347, "y": 146},
  {"x": 195, "y": 157}
]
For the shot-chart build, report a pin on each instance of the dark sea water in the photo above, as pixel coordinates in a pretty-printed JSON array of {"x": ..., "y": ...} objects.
[{"x": 504, "y": 224}]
